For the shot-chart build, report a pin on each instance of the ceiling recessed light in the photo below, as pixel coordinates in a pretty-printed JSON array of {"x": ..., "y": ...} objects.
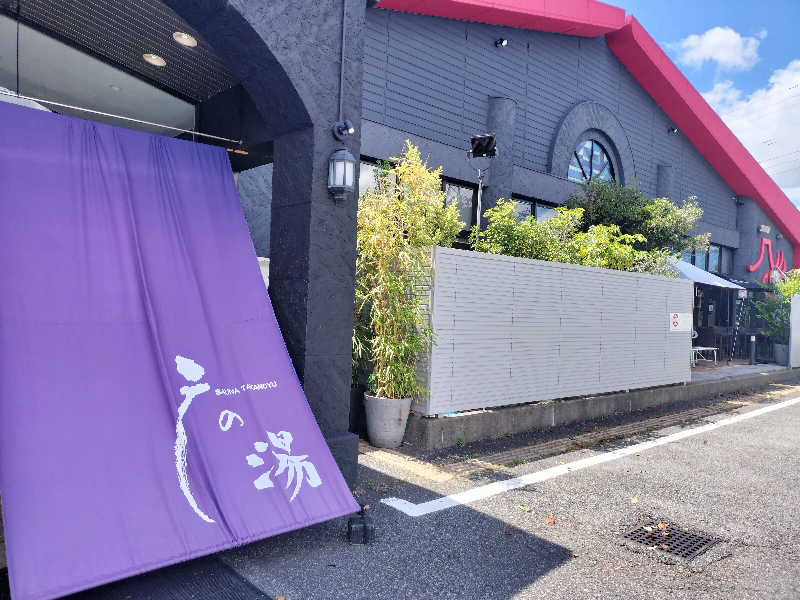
[
  {"x": 115, "y": 87},
  {"x": 184, "y": 39},
  {"x": 154, "y": 59}
]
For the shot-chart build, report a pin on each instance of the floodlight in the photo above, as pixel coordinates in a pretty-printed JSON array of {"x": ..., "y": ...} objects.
[{"x": 483, "y": 145}]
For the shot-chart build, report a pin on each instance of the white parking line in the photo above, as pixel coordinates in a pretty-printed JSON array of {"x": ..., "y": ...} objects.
[{"x": 498, "y": 487}]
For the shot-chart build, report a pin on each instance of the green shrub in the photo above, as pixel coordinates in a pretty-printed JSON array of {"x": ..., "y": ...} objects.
[
  {"x": 561, "y": 239},
  {"x": 775, "y": 309},
  {"x": 664, "y": 224}
]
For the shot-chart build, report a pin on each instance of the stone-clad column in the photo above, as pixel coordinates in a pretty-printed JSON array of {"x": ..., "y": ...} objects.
[
  {"x": 312, "y": 275},
  {"x": 501, "y": 120},
  {"x": 287, "y": 56}
]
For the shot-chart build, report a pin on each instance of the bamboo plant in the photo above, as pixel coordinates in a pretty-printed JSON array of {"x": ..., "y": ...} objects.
[{"x": 399, "y": 221}]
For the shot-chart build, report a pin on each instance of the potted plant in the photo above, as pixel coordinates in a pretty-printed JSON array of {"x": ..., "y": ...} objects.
[
  {"x": 399, "y": 221},
  {"x": 775, "y": 309}
]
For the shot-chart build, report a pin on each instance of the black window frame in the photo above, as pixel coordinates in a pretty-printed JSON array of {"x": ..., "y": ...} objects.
[
  {"x": 718, "y": 251},
  {"x": 375, "y": 162},
  {"x": 534, "y": 202},
  {"x": 544, "y": 205},
  {"x": 464, "y": 233},
  {"x": 520, "y": 199},
  {"x": 590, "y": 176},
  {"x": 704, "y": 266},
  {"x": 722, "y": 250}
]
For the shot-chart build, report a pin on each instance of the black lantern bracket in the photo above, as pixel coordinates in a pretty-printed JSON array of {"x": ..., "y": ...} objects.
[{"x": 342, "y": 129}]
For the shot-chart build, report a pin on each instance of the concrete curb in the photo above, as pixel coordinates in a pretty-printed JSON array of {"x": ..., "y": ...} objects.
[{"x": 445, "y": 432}]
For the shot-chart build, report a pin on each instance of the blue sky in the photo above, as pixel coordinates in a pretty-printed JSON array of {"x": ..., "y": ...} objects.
[{"x": 744, "y": 57}]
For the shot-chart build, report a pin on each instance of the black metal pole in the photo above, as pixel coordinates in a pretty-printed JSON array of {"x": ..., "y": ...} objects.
[
  {"x": 741, "y": 302},
  {"x": 480, "y": 194}
]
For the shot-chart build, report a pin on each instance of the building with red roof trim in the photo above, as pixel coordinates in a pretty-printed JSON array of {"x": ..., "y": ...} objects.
[{"x": 570, "y": 72}]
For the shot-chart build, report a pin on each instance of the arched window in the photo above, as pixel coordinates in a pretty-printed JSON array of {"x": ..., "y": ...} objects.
[{"x": 590, "y": 161}]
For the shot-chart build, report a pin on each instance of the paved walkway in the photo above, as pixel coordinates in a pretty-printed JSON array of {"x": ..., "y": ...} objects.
[
  {"x": 502, "y": 462},
  {"x": 724, "y": 372}
]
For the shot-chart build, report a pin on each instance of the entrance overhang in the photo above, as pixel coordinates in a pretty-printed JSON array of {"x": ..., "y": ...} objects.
[{"x": 692, "y": 273}]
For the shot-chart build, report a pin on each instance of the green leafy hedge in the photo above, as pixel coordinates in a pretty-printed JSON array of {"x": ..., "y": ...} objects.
[{"x": 561, "y": 239}]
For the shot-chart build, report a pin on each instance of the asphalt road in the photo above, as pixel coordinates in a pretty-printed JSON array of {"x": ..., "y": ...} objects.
[
  {"x": 558, "y": 538},
  {"x": 738, "y": 483}
]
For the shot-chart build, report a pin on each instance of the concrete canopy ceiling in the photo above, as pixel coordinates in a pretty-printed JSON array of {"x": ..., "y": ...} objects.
[
  {"x": 120, "y": 31},
  {"x": 52, "y": 70},
  {"x": 89, "y": 54}
]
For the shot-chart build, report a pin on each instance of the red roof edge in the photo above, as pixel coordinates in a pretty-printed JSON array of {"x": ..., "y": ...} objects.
[
  {"x": 689, "y": 111},
  {"x": 585, "y": 18}
]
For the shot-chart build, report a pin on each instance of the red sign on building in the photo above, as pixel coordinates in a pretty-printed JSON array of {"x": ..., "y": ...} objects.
[{"x": 775, "y": 264}]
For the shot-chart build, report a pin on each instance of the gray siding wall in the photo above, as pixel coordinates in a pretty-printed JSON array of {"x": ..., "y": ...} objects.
[
  {"x": 514, "y": 330},
  {"x": 433, "y": 77}
]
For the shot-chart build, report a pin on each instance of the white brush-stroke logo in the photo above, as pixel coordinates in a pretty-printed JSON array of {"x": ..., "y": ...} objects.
[
  {"x": 193, "y": 372},
  {"x": 297, "y": 468}
]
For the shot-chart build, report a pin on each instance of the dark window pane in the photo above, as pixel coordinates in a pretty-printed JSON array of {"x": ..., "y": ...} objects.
[
  {"x": 463, "y": 196},
  {"x": 522, "y": 209},
  {"x": 544, "y": 212},
  {"x": 599, "y": 160},
  {"x": 584, "y": 153},
  {"x": 575, "y": 173},
  {"x": 687, "y": 256},
  {"x": 713, "y": 259},
  {"x": 366, "y": 177},
  {"x": 700, "y": 259},
  {"x": 590, "y": 161},
  {"x": 725, "y": 261}
]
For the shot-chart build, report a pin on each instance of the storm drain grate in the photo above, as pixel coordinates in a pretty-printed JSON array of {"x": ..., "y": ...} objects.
[{"x": 671, "y": 538}]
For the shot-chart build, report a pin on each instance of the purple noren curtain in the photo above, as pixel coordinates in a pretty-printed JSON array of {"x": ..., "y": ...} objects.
[{"x": 149, "y": 412}]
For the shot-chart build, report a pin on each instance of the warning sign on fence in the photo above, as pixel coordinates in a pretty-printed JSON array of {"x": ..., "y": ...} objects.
[{"x": 680, "y": 321}]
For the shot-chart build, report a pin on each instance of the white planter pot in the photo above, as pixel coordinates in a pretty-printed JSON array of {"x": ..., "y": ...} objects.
[{"x": 386, "y": 420}]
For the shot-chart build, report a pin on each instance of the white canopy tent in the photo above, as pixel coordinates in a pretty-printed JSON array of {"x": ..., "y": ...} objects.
[
  {"x": 698, "y": 275},
  {"x": 725, "y": 341}
]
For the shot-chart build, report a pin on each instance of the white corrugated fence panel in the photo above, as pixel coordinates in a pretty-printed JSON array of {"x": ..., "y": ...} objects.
[{"x": 513, "y": 330}]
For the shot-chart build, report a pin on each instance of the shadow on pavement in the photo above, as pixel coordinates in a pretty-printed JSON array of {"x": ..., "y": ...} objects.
[
  {"x": 198, "y": 579},
  {"x": 456, "y": 553}
]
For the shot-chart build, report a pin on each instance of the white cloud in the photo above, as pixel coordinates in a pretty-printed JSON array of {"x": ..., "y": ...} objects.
[
  {"x": 721, "y": 45},
  {"x": 723, "y": 95},
  {"x": 767, "y": 122},
  {"x": 794, "y": 195}
]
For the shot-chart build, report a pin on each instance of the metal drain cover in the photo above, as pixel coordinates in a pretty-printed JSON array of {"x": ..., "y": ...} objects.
[{"x": 671, "y": 538}]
